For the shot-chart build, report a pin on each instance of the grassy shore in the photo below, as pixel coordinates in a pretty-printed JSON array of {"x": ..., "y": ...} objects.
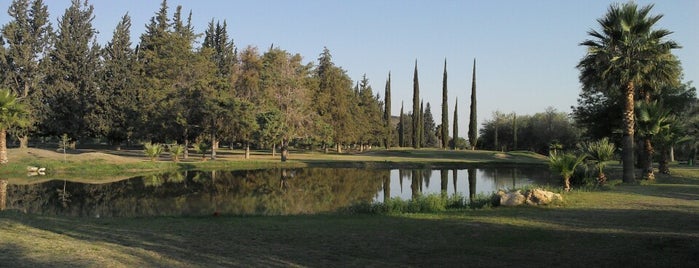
[
  {"x": 107, "y": 165},
  {"x": 641, "y": 225}
]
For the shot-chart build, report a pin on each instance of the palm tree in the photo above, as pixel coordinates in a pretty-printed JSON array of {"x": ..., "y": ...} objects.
[
  {"x": 668, "y": 138},
  {"x": 651, "y": 120},
  {"x": 565, "y": 165},
  {"x": 624, "y": 55},
  {"x": 12, "y": 113},
  {"x": 599, "y": 152}
]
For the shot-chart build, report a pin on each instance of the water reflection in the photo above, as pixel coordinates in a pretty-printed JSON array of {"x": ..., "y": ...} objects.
[{"x": 255, "y": 192}]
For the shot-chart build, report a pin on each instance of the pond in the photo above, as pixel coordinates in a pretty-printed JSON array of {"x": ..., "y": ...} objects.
[{"x": 255, "y": 192}]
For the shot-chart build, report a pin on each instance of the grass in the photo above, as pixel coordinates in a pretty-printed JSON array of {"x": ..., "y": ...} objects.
[
  {"x": 641, "y": 225},
  {"x": 650, "y": 224},
  {"x": 106, "y": 165}
]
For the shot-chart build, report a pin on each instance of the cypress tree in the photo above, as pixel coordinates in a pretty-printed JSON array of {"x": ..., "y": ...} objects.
[
  {"x": 456, "y": 125},
  {"x": 421, "y": 125},
  {"x": 514, "y": 131},
  {"x": 401, "y": 128},
  {"x": 444, "y": 135},
  {"x": 387, "y": 112},
  {"x": 416, "y": 110},
  {"x": 473, "y": 122}
]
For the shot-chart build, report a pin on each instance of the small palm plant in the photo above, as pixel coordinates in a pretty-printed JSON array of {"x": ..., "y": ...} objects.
[
  {"x": 599, "y": 153},
  {"x": 152, "y": 150},
  {"x": 565, "y": 165},
  {"x": 201, "y": 147},
  {"x": 175, "y": 151}
]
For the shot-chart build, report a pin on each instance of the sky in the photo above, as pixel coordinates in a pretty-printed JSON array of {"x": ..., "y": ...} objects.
[{"x": 525, "y": 51}]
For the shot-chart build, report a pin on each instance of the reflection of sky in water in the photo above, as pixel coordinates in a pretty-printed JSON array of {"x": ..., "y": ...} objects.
[{"x": 486, "y": 182}]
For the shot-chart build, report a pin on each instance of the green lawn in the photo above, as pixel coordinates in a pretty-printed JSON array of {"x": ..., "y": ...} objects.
[{"x": 645, "y": 225}]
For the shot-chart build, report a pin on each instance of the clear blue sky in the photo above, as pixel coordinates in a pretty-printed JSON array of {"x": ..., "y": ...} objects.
[{"x": 526, "y": 51}]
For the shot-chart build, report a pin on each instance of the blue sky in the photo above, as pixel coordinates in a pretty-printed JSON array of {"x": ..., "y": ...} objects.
[{"x": 526, "y": 51}]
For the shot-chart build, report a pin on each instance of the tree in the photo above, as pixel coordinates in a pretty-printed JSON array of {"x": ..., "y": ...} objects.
[
  {"x": 27, "y": 38},
  {"x": 599, "y": 152},
  {"x": 401, "y": 128},
  {"x": 455, "y": 136},
  {"x": 387, "y": 113},
  {"x": 473, "y": 119},
  {"x": 12, "y": 113},
  {"x": 429, "y": 128},
  {"x": 514, "y": 131},
  {"x": 416, "y": 110},
  {"x": 444, "y": 133},
  {"x": 73, "y": 102},
  {"x": 565, "y": 165},
  {"x": 621, "y": 57},
  {"x": 651, "y": 119},
  {"x": 421, "y": 125},
  {"x": 119, "y": 82}
]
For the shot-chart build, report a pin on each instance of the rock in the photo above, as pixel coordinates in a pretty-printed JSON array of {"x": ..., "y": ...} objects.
[
  {"x": 511, "y": 199},
  {"x": 540, "y": 197}
]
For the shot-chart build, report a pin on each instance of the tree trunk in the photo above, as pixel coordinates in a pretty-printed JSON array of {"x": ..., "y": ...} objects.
[
  {"x": 24, "y": 141},
  {"x": 186, "y": 149},
  {"x": 285, "y": 150},
  {"x": 339, "y": 148},
  {"x": 3, "y": 194},
  {"x": 663, "y": 166},
  {"x": 672, "y": 153},
  {"x": 648, "y": 163},
  {"x": 274, "y": 149},
  {"x": 3, "y": 146},
  {"x": 247, "y": 150},
  {"x": 214, "y": 147},
  {"x": 566, "y": 182},
  {"x": 628, "y": 138}
]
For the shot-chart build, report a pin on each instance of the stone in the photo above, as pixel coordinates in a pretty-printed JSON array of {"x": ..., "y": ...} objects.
[
  {"x": 511, "y": 199},
  {"x": 540, "y": 197}
]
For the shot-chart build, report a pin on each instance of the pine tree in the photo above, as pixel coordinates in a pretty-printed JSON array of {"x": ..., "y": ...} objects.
[
  {"x": 27, "y": 40},
  {"x": 455, "y": 137},
  {"x": 416, "y": 110},
  {"x": 387, "y": 113},
  {"x": 119, "y": 83},
  {"x": 73, "y": 102},
  {"x": 473, "y": 121},
  {"x": 444, "y": 135},
  {"x": 429, "y": 128}
]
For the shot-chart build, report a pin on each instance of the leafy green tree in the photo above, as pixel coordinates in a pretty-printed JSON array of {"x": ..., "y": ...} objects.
[
  {"x": 416, "y": 110},
  {"x": 627, "y": 52},
  {"x": 333, "y": 99},
  {"x": 473, "y": 118},
  {"x": 12, "y": 113},
  {"x": 26, "y": 38},
  {"x": 599, "y": 153},
  {"x": 444, "y": 130},
  {"x": 270, "y": 128},
  {"x": 119, "y": 82},
  {"x": 73, "y": 102}
]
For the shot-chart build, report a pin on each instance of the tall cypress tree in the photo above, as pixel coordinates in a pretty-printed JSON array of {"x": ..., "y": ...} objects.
[
  {"x": 387, "y": 112},
  {"x": 514, "y": 131},
  {"x": 444, "y": 135},
  {"x": 421, "y": 125},
  {"x": 473, "y": 121},
  {"x": 456, "y": 125},
  {"x": 401, "y": 128},
  {"x": 416, "y": 110}
]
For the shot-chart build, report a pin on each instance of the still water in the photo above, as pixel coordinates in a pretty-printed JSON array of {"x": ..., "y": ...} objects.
[{"x": 255, "y": 192}]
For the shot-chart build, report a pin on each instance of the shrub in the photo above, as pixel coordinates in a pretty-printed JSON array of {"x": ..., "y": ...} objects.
[
  {"x": 175, "y": 151},
  {"x": 152, "y": 150}
]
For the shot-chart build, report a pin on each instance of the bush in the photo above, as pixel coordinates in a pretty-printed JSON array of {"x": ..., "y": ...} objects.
[
  {"x": 175, "y": 151},
  {"x": 152, "y": 150}
]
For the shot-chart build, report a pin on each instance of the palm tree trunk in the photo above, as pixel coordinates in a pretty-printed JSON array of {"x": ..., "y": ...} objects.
[
  {"x": 648, "y": 164},
  {"x": 3, "y": 194},
  {"x": 3, "y": 146},
  {"x": 628, "y": 138},
  {"x": 663, "y": 164},
  {"x": 566, "y": 182}
]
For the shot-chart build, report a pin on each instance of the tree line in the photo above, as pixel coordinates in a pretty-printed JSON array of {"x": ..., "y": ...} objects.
[{"x": 165, "y": 89}]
